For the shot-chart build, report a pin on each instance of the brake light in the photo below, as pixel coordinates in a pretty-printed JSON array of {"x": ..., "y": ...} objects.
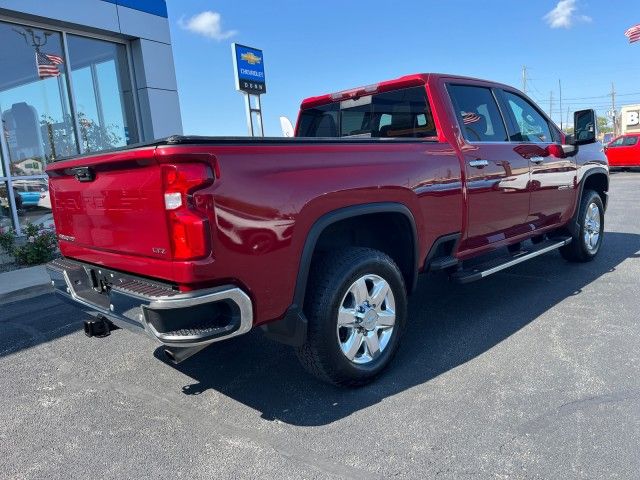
[
  {"x": 355, "y": 92},
  {"x": 188, "y": 222}
]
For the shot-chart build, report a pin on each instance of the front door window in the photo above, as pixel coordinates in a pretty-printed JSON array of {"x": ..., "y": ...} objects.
[{"x": 531, "y": 126}]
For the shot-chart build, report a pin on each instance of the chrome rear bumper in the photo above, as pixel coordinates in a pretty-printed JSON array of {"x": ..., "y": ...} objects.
[{"x": 175, "y": 319}]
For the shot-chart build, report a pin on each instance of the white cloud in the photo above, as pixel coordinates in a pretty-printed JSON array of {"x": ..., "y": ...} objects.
[
  {"x": 208, "y": 24},
  {"x": 564, "y": 15}
]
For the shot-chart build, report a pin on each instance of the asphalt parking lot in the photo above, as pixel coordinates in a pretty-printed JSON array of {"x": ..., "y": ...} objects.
[{"x": 531, "y": 373}]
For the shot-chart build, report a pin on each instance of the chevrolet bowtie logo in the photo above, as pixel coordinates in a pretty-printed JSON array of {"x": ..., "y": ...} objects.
[{"x": 251, "y": 58}]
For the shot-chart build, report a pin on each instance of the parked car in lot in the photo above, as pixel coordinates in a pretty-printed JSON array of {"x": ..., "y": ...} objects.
[
  {"x": 30, "y": 191},
  {"x": 5, "y": 204},
  {"x": 45, "y": 200},
  {"x": 319, "y": 239},
  {"x": 624, "y": 151}
]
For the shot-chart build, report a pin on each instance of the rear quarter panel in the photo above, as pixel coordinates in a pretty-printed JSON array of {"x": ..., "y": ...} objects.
[{"x": 268, "y": 197}]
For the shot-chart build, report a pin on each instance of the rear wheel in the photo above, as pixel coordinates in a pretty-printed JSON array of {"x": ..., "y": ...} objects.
[
  {"x": 356, "y": 306},
  {"x": 587, "y": 240}
]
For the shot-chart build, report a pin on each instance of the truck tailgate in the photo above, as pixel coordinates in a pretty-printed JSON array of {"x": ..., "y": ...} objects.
[{"x": 112, "y": 202}]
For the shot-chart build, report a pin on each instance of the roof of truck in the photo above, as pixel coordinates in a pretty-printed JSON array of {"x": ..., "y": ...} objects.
[{"x": 405, "y": 81}]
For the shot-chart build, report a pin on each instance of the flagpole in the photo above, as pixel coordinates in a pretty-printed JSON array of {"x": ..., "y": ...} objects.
[{"x": 633, "y": 34}]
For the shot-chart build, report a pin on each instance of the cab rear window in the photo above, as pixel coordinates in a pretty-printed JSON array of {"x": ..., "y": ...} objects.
[{"x": 401, "y": 113}]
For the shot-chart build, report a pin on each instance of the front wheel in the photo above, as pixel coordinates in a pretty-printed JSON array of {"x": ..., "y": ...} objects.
[
  {"x": 356, "y": 306},
  {"x": 587, "y": 240}
]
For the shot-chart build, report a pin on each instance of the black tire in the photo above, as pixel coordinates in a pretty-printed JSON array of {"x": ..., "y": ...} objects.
[
  {"x": 578, "y": 250},
  {"x": 330, "y": 279}
]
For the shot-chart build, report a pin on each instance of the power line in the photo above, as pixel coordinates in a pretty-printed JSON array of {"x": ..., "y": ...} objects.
[
  {"x": 603, "y": 96},
  {"x": 596, "y": 104}
]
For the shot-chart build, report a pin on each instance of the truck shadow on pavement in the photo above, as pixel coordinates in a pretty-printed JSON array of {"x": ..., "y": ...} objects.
[{"x": 449, "y": 325}]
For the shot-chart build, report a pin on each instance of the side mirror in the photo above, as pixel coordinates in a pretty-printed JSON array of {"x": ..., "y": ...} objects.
[
  {"x": 287, "y": 127},
  {"x": 584, "y": 123}
]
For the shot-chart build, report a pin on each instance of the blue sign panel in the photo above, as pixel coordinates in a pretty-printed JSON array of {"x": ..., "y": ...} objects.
[
  {"x": 155, "y": 7},
  {"x": 248, "y": 64}
]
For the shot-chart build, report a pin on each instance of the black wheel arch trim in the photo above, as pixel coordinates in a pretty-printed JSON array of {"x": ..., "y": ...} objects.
[
  {"x": 599, "y": 170},
  {"x": 342, "y": 214},
  {"x": 291, "y": 329}
]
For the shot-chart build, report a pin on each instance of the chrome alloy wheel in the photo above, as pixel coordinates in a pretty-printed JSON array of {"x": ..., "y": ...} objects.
[
  {"x": 366, "y": 319},
  {"x": 592, "y": 228}
]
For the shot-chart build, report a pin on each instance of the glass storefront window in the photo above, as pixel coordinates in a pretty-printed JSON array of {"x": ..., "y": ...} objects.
[
  {"x": 5, "y": 207},
  {"x": 103, "y": 93},
  {"x": 34, "y": 104},
  {"x": 37, "y": 112},
  {"x": 32, "y": 201}
]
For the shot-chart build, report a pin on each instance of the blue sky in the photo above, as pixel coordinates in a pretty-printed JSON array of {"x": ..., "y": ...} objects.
[{"x": 312, "y": 48}]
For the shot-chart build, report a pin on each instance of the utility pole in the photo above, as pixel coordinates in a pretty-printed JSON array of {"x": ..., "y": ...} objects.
[
  {"x": 560, "y": 85},
  {"x": 551, "y": 104},
  {"x": 524, "y": 79},
  {"x": 613, "y": 109}
]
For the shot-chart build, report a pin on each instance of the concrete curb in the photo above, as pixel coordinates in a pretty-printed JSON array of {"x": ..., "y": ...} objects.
[{"x": 23, "y": 284}]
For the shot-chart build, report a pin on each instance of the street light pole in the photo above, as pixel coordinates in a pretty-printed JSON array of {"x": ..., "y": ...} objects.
[
  {"x": 613, "y": 109},
  {"x": 560, "y": 86}
]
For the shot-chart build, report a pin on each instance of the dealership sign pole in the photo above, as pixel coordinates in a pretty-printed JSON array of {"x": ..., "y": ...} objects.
[{"x": 248, "y": 67}]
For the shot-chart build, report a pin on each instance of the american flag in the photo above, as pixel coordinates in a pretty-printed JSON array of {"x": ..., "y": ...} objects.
[
  {"x": 633, "y": 34},
  {"x": 47, "y": 64},
  {"x": 468, "y": 118}
]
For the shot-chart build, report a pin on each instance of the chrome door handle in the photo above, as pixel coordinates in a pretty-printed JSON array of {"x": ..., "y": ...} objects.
[
  {"x": 537, "y": 160},
  {"x": 478, "y": 163}
]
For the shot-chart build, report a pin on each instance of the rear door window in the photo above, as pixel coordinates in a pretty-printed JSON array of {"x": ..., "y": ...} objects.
[
  {"x": 403, "y": 113},
  {"x": 478, "y": 113}
]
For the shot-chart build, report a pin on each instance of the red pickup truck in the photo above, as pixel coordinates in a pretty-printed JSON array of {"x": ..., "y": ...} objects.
[{"x": 319, "y": 239}]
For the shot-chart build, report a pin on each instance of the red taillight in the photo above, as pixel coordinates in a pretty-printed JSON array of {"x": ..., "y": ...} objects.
[{"x": 188, "y": 222}]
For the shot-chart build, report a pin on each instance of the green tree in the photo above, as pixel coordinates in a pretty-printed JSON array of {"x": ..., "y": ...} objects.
[{"x": 604, "y": 125}]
